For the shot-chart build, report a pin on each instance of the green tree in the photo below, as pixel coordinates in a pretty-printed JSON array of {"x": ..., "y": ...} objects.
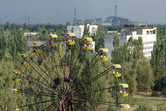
[
  {"x": 158, "y": 63},
  {"x": 86, "y": 31}
]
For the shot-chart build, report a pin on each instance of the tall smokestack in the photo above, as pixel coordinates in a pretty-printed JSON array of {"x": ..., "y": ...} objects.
[{"x": 115, "y": 10}]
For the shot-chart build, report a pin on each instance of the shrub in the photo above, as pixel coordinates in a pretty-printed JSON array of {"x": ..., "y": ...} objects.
[
  {"x": 156, "y": 93},
  {"x": 144, "y": 107},
  {"x": 111, "y": 108},
  {"x": 164, "y": 91}
]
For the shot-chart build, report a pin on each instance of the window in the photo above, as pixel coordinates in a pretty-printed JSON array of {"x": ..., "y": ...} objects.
[
  {"x": 149, "y": 52},
  {"x": 148, "y": 47},
  {"x": 154, "y": 31}
]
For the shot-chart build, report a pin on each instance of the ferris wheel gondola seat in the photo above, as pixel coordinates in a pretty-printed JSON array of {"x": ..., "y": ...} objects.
[
  {"x": 115, "y": 74},
  {"x": 24, "y": 63},
  {"x": 36, "y": 51},
  {"x": 51, "y": 43},
  {"x": 15, "y": 79},
  {"x": 102, "y": 52},
  {"x": 123, "y": 89},
  {"x": 85, "y": 47},
  {"x": 87, "y": 43},
  {"x": 125, "y": 106},
  {"x": 103, "y": 58},
  {"x": 70, "y": 42},
  {"x": 52, "y": 36},
  {"x": 117, "y": 66},
  {"x": 70, "y": 39},
  {"x": 36, "y": 43},
  {"x": 15, "y": 90},
  {"x": 87, "y": 39},
  {"x": 16, "y": 72},
  {"x": 123, "y": 94},
  {"x": 123, "y": 85},
  {"x": 24, "y": 55},
  {"x": 70, "y": 34}
]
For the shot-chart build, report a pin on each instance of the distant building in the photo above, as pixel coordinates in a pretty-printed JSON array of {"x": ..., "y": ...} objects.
[
  {"x": 78, "y": 30},
  {"x": 92, "y": 28},
  {"x": 30, "y": 33},
  {"x": 99, "y": 20},
  {"x": 147, "y": 32},
  {"x": 78, "y": 22},
  {"x": 89, "y": 21},
  {"x": 116, "y": 20},
  {"x": 106, "y": 24}
]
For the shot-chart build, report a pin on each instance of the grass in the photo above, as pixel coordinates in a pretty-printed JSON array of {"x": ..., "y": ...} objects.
[
  {"x": 156, "y": 103},
  {"x": 145, "y": 98}
]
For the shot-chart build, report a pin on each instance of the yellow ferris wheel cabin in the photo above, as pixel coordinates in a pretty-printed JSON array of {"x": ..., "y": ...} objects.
[
  {"x": 123, "y": 89},
  {"x": 24, "y": 55},
  {"x": 102, "y": 52},
  {"x": 87, "y": 43},
  {"x": 125, "y": 106},
  {"x": 52, "y": 36},
  {"x": 36, "y": 43},
  {"x": 70, "y": 39}
]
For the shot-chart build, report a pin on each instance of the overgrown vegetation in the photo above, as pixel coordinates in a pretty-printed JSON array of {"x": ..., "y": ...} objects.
[{"x": 137, "y": 71}]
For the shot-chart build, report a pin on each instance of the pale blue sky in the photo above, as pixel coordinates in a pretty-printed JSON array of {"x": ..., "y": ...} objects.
[{"x": 62, "y": 11}]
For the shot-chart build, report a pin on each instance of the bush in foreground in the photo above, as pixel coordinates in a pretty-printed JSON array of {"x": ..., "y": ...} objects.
[{"x": 144, "y": 107}]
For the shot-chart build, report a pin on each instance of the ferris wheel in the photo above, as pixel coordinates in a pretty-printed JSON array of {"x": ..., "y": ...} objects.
[{"x": 59, "y": 76}]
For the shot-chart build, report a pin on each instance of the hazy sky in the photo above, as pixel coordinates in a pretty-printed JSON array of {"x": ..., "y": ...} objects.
[{"x": 62, "y": 11}]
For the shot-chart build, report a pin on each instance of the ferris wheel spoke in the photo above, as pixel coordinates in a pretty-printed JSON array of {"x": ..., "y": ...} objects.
[
  {"x": 66, "y": 52},
  {"x": 95, "y": 101},
  {"x": 55, "y": 109},
  {"x": 89, "y": 63},
  {"x": 56, "y": 68},
  {"x": 102, "y": 89},
  {"x": 37, "y": 84},
  {"x": 95, "y": 78},
  {"x": 36, "y": 93},
  {"x": 40, "y": 74},
  {"x": 45, "y": 65},
  {"x": 49, "y": 60},
  {"x": 49, "y": 107},
  {"x": 90, "y": 67},
  {"x": 60, "y": 58},
  {"x": 42, "y": 102},
  {"x": 44, "y": 71},
  {"x": 31, "y": 78},
  {"x": 80, "y": 51},
  {"x": 100, "y": 75},
  {"x": 78, "y": 70}
]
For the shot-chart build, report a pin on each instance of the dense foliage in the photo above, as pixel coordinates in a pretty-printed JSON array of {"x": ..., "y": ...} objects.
[
  {"x": 145, "y": 74},
  {"x": 13, "y": 43},
  {"x": 140, "y": 73}
]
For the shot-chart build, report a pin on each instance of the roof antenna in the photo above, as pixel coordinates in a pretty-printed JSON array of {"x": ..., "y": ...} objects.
[{"x": 74, "y": 22}]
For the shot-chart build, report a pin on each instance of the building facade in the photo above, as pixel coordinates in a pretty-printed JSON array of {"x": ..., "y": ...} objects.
[
  {"x": 78, "y": 30},
  {"x": 147, "y": 33},
  {"x": 30, "y": 33}
]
